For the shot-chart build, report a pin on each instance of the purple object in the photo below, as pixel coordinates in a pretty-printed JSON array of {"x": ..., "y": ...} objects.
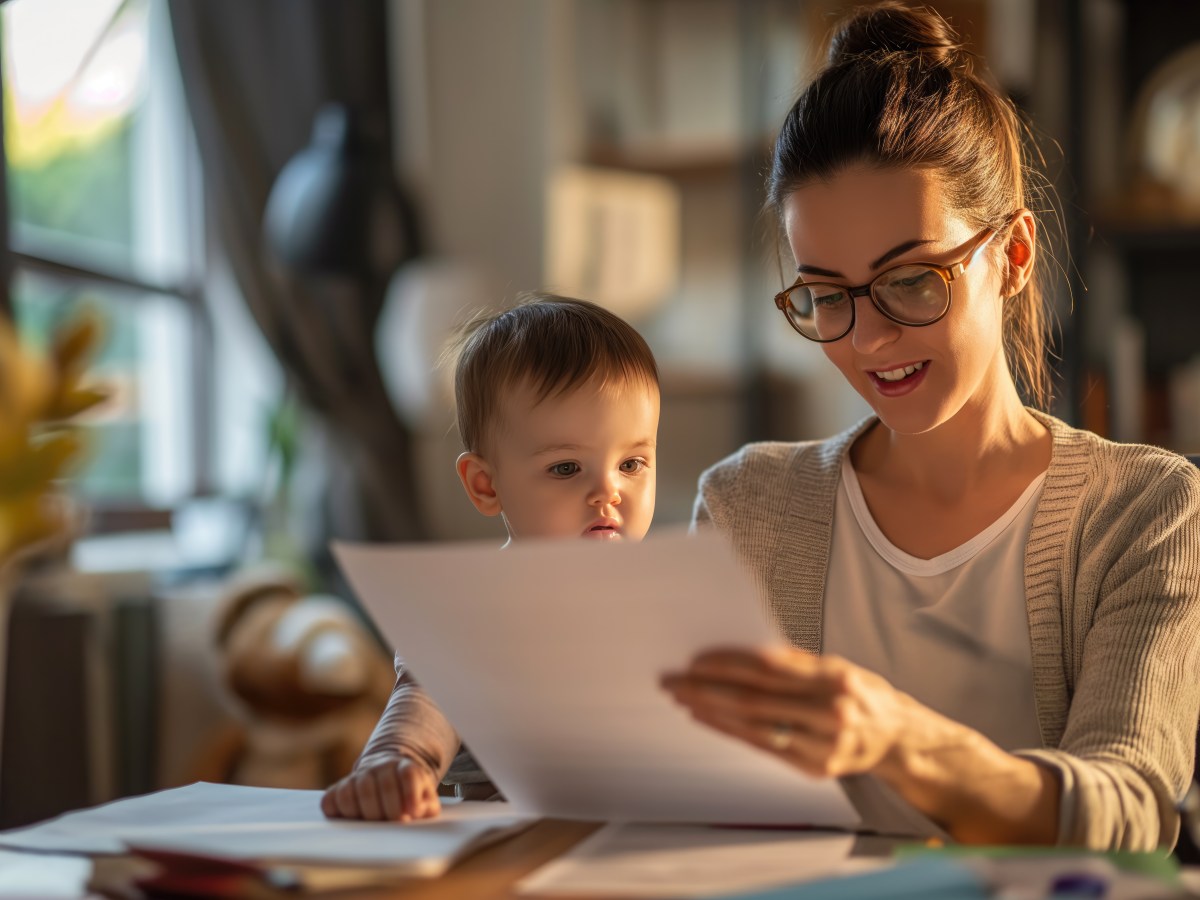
[{"x": 1079, "y": 885}]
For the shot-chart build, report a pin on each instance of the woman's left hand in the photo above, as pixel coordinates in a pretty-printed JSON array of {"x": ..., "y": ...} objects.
[{"x": 824, "y": 715}]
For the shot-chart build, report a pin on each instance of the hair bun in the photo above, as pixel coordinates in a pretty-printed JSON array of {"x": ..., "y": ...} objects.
[{"x": 895, "y": 28}]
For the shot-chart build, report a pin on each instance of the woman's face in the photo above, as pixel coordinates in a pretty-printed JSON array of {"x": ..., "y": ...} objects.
[{"x": 865, "y": 220}]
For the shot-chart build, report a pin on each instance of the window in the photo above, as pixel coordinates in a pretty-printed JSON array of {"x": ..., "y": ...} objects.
[
  {"x": 102, "y": 187},
  {"x": 106, "y": 209}
]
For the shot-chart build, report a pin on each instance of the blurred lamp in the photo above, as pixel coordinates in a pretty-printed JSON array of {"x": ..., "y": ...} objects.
[
  {"x": 1165, "y": 137},
  {"x": 426, "y": 302},
  {"x": 335, "y": 209}
]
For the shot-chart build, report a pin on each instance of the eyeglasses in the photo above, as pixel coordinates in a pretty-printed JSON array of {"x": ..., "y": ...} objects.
[{"x": 914, "y": 294}]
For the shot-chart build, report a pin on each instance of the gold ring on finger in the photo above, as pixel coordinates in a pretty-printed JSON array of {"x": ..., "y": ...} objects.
[{"x": 780, "y": 737}]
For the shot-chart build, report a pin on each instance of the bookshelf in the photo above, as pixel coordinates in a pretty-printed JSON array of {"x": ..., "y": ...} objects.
[{"x": 1136, "y": 238}]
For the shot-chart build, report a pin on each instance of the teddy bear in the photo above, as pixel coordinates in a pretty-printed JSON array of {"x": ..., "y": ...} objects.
[{"x": 309, "y": 683}]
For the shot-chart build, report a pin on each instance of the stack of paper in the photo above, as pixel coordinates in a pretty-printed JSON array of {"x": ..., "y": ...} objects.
[
  {"x": 43, "y": 875},
  {"x": 282, "y": 832}
]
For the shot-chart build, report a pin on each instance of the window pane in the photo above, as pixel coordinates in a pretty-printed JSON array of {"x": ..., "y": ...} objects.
[
  {"x": 141, "y": 441},
  {"x": 95, "y": 132}
]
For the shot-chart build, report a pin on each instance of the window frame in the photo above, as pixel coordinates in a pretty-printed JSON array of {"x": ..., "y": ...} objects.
[{"x": 18, "y": 254}]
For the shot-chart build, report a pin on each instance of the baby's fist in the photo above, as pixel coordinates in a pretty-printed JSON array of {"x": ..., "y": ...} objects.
[{"x": 389, "y": 788}]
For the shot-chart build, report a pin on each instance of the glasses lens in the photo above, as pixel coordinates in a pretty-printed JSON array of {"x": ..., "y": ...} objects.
[
  {"x": 915, "y": 295},
  {"x": 822, "y": 312}
]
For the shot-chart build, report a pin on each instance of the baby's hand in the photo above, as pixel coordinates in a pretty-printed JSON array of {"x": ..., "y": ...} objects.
[{"x": 393, "y": 788}]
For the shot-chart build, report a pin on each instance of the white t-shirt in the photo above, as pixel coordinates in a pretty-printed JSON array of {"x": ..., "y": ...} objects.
[{"x": 951, "y": 631}]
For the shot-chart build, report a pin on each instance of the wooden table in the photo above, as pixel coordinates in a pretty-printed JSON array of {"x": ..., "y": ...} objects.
[{"x": 490, "y": 874}]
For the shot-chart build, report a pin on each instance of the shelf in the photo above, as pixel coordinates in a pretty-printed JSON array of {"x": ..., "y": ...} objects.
[
  {"x": 700, "y": 159},
  {"x": 1148, "y": 222},
  {"x": 1151, "y": 235}
]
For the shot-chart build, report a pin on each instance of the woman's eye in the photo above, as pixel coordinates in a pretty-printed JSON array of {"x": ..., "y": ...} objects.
[
  {"x": 909, "y": 278},
  {"x": 829, "y": 298},
  {"x": 633, "y": 465},
  {"x": 564, "y": 469}
]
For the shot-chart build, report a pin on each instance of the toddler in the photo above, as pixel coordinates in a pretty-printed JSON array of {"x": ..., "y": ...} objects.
[{"x": 557, "y": 403}]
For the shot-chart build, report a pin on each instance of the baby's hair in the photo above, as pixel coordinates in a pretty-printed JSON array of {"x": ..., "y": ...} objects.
[{"x": 556, "y": 344}]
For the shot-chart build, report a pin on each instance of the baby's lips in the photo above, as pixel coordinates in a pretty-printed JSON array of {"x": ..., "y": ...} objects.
[{"x": 603, "y": 529}]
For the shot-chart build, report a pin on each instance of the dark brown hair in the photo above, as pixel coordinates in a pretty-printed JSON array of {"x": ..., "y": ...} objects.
[
  {"x": 554, "y": 343},
  {"x": 899, "y": 90}
]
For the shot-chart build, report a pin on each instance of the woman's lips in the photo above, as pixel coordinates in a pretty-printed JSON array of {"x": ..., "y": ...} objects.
[{"x": 903, "y": 386}]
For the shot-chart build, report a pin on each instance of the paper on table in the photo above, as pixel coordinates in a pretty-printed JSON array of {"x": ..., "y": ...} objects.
[
  {"x": 885, "y": 812},
  {"x": 547, "y": 656},
  {"x": 693, "y": 861},
  {"x": 44, "y": 876},
  {"x": 267, "y": 824}
]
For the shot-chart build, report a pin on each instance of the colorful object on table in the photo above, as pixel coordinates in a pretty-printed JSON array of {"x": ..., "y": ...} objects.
[
  {"x": 192, "y": 875},
  {"x": 1068, "y": 872},
  {"x": 39, "y": 395},
  {"x": 924, "y": 879},
  {"x": 1153, "y": 865},
  {"x": 1078, "y": 885}
]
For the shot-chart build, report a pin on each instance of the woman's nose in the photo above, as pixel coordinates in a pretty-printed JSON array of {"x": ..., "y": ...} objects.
[{"x": 872, "y": 329}]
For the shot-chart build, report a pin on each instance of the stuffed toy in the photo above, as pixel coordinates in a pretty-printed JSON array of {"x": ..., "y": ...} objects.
[{"x": 309, "y": 682}]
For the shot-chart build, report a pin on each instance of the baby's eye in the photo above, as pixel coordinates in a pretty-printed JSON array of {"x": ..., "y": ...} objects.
[
  {"x": 630, "y": 466},
  {"x": 564, "y": 469}
]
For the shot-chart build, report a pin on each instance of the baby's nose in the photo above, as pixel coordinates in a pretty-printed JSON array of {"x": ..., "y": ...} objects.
[{"x": 605, "y": 492}]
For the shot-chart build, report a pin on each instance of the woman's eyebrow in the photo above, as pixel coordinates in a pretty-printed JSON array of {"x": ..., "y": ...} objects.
[{"x": 883, "y": 260}]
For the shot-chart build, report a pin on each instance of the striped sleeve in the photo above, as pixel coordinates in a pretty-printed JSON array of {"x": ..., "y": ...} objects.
[
  {"x": 411, "y": 726},
  {"x": 1128, "y": 641}
]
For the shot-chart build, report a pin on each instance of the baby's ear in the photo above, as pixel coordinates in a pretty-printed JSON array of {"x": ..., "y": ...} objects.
[{"x": 477, "y": 480}]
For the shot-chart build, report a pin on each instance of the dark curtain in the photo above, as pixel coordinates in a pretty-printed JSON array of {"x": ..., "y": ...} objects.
[
  {"x": 255, "y": 73},
  {"x": 6, "y": 303}
]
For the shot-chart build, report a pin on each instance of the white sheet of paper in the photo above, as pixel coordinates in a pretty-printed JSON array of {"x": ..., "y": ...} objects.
[
  {"x": 44, "y": 876},
  {"x": 693, "y": 861},
  {"x": 546, "y": 656},
  {"x": 272, "y": 824}
]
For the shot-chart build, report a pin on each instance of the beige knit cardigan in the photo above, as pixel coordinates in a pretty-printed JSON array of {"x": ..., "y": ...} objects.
[{"x": 1112, "y": 589}]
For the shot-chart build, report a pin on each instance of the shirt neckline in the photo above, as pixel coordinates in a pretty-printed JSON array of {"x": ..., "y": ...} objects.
[{"x": 951, "y": 559}]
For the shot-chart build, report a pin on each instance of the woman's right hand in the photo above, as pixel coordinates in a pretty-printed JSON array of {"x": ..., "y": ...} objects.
[{"x": 387, "y": 788}]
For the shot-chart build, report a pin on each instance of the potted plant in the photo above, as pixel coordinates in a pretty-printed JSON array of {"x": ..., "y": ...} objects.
[{"x": 41, "y": 394}]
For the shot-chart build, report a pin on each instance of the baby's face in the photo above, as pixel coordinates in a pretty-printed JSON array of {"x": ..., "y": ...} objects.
[{"x": 580, "y": 464}]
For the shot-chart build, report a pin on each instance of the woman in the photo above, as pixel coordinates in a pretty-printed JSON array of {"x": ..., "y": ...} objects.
[{"x": 992, "y": 613}]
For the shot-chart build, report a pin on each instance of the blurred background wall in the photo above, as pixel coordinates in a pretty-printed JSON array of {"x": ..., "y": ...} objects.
[{"x": 613, "y": 149}]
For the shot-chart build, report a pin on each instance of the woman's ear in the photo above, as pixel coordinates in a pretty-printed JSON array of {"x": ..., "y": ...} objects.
[
  {"x": 1020, "y": 253},
  {"x": 478, "y": 481}
]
